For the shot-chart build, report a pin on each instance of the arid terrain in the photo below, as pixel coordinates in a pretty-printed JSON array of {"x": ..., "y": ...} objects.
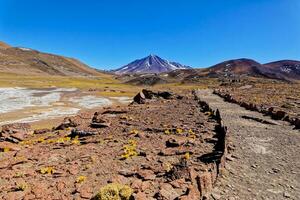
[
  {"x": 179, "y": 156},
  {"x": 171, "y": 132}
]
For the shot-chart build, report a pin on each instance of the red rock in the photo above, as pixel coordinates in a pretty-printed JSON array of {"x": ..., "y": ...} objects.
[
  {"x": 67, "y": 123},
  {"x": 178, "y": 183},
  {"x": 39, "y": 190},
  {"x": 18, "y": 195},
  {"x": 98, "y": 121},
  {"x": 15, "y": 132},
  {"x": 136, "y": 184},
  {"x": 140, "y": 196},
  {"x": 192, "y": 194},
  {"x": 167, "y": 192},
  {"x": 23, "y": 128},
  {"x": 172, "y": 142},
  {"x": 41, "y": 131},
  {"x": 29, "y": 197},
  {"x": 147, "y": 174},
  {"x": 204, "y": 182},
  {"x": 86, "y": 193},
  {"x": 9, "y": 146},
  {"x": 61, "y": 186},
  {"x": 146, "y": 185}
]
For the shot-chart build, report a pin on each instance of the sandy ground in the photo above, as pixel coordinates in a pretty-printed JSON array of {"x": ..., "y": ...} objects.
[
  {"x": 35, "y": 105},
  {"x": 265, "y": 163}
]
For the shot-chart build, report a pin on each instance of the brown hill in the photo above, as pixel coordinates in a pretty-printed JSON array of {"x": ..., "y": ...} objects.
[
  {"x": 4, "y": 45},
  {"x": 31, "y": 62},
  {"x": 283, "y": 70},
  {"x": 287, "y": 69},
  {"x": 241, "y": 66}
]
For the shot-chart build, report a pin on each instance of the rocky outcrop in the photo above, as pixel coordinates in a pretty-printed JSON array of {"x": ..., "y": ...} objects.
[
  {"x": 145, "y": 95},
  {"x": 15, "y": 132},
  {"x": 215, "y": 160}
]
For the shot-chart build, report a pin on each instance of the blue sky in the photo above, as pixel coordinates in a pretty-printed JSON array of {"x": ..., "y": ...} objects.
[{"x": 108, "y": 34}]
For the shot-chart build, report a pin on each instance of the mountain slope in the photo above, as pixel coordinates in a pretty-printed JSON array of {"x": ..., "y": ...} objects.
[
  {"x": 149, "y": 64},
  {"x": 31, "y": 62},
  {"x": 288, "y": 69},
  {"x": 284, "y": 70},
  {"x": 241, "y": 66}
]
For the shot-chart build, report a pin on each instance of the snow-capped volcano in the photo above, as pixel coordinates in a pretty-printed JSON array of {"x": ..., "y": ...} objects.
[{"x": 150, "y": 64}]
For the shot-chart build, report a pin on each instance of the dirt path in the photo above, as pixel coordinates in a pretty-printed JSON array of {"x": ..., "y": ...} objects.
[{"x": 266, "y": 160}]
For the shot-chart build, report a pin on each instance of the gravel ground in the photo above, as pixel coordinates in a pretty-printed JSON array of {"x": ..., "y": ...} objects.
[{"x": 265, "y": 162}]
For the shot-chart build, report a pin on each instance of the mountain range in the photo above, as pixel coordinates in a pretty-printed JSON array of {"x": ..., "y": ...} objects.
[{"x": 19, "y": 60}]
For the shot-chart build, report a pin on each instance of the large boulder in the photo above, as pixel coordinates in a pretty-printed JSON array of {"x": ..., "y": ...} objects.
[{"x": 139, "y": 98}]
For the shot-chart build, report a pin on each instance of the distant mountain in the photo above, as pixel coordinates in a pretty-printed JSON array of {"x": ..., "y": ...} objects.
[
  {"x": 284, "y": 70},
  {"x": 20, "y": 60},
  {"x": 150, "y": 64},
  {"x": 241, "y": 66},
  {"x": 288, "y": 69}
]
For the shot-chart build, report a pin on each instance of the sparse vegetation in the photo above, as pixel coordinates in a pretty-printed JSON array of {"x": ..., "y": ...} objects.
[
  {"x": 80, "y": 179},
  {"x": 114, "y": 191},
  {"x": 129, "y": 150},
  {"x": 47, "y": 170}
]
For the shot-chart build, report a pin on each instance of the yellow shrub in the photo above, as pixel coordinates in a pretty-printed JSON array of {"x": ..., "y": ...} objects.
[
  {"x": 129, "y": 150},
  {"x": 80, "y": 179},
  {"x": 167, "y": 132},
  {"x": 187, "y": 155},
  {"x": 47, "y": 170},
  {"x": 114, "y": 191}
]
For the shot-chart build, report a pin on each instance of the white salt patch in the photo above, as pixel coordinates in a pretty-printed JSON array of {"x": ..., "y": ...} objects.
[
  {"x": 47, "y": 114},
  {"x": 12, "y": 99},
  {"x": 124, "y": 100},
  {"x": 91, "y": 101}
]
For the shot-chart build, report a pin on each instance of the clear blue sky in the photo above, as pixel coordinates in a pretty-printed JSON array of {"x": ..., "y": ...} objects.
[{"x": 108, "y": 34}]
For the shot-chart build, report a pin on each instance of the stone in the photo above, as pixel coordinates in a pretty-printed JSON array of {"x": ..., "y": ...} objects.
[
  {"x": 140, "y": 196},
  {"x": 216, "y": 196},
  {"x": 278, "y": 115},
  {"x": 178, "y": 171},
  {"x": 136, "y": 184},
  {"x": 41, "y": 131},
  {"x": 148, "y": 94},
  {"x": 67, "y": 123},
  {"x": 22, "y": 128},
  {"x": 81, "y": 133},
  {"x": 192, "y": 194},
  {"x": 204, "y": 183},
  {"x": 147, "y": 174},
  {"x": 178, "y": 183},
  {"x": 165, "y": 95},
  {"x": 172, "y": 142},
  {"x": 167, "y": 192},
  {"x": 287, "y": 195},
  {"x": 139, "y": 98},
  {"x": 8, "y": 146},
  {"x": 15, "y": 132}
]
